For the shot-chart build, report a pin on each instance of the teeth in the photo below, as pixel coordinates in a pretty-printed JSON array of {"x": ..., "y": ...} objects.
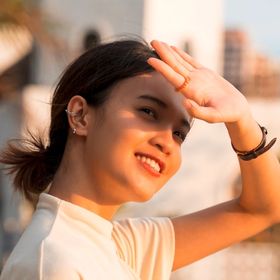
[{"x": 149, "y": 161}]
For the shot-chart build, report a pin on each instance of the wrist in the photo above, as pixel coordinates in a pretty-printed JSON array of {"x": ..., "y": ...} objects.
[
  {"x": 258, "y": 150},
  {"x": 245, "y": 134}
]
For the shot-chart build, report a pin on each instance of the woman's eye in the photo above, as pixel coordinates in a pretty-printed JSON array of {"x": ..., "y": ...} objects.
[
  {"x": 149, "y": 112},
  {"x": 180, "y": 135}
]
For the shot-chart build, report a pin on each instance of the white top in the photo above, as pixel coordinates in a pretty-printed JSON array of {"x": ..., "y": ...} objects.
[{"x": 65, "y": 241}]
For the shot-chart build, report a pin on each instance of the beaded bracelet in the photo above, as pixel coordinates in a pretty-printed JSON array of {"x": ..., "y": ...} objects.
[{"x": 260, "y": 149}]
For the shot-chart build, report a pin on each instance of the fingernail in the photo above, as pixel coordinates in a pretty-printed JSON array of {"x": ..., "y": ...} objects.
[{"x": 149, "y": 59}]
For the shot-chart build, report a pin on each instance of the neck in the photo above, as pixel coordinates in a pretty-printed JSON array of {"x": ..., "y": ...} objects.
[
  {"x": 72, "y": 184},
  {"x": 105, "y": 211}
]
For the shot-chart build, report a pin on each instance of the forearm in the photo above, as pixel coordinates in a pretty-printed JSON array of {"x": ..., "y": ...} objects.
[{"x": 261, "y": 176}]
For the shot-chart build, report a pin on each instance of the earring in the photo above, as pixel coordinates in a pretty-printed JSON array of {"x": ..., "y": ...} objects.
[
  {"x": 73, "y": 114},
  {"x": 74, "y": 130}
]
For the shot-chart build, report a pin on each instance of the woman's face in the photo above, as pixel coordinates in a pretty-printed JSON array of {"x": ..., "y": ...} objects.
[{"x": 134, "y": 146}]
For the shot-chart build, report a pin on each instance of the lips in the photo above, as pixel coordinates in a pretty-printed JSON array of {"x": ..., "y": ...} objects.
[{"x": 152, "y": 163}]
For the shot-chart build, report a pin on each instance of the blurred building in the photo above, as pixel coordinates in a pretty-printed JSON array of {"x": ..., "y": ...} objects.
[
  {"x": 266, "y": 77},
  {"x": 251, "y": 72},
  {"x": 179, "y": 22},
  {"x": 238, "y": 58}
]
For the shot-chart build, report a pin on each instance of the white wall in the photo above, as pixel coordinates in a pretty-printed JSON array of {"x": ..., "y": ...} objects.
[
  {"x": 71, "y": 20},
  {"x": 110, "y": 17},
  {"x": 198, "y": 21},
  {"x": 175, "y": 21}
]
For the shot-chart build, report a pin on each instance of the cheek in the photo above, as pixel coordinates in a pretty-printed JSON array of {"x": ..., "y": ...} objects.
[
  {"x": 113, "y": 147},
  {"x": 177, "y": 161}
]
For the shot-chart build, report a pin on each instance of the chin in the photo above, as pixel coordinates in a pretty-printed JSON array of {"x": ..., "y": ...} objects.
[
  {"x": 143, "y": 198},
  {"x": 141, "y": 194}
]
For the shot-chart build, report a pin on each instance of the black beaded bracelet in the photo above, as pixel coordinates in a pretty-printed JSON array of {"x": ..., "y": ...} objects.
[{"x": 260, "y": 149}]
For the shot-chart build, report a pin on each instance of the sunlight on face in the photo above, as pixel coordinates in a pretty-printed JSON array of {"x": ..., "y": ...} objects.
[{"x": 136, "y": 146}]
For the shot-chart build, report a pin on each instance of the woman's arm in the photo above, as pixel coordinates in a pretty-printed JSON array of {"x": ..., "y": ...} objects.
[{"x": 211, "y": 98}]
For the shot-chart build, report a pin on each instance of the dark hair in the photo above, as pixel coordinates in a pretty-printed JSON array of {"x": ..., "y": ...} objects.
[{"x": 92, "y": 75}]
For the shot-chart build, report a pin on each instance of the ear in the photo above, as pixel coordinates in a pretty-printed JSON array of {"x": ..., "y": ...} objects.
[{"x": 79, "y": 115}]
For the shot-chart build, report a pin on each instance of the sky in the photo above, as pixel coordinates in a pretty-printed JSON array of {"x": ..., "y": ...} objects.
[{"x": 261, "y": 18}]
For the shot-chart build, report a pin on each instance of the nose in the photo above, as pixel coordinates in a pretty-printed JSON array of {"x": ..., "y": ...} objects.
[{"x": 163, "y": 141}]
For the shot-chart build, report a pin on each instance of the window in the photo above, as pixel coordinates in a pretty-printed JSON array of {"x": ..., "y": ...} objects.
[{"x": 91, "y": 39}]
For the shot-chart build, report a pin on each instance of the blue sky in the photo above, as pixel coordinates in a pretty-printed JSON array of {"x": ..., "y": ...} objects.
[{"x": 261, "y": 18}]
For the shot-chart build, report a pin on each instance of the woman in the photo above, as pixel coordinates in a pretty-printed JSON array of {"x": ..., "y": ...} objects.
[{"x": 117, "y": 126}]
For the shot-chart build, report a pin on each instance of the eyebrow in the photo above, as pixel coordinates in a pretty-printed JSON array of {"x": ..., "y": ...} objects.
[
  {"x": 154, "y": 99},
  {"x": 162, "y": 104}
]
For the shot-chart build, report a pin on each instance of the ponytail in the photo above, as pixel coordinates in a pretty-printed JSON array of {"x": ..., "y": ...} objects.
[
  {"x": 31, "y": 163},
  {"x": 26, "y": 160}
]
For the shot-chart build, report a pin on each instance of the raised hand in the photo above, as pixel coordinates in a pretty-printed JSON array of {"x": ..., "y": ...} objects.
[
  {"x": 208, "y": 96},
  {"x": 211, "y": 98}
]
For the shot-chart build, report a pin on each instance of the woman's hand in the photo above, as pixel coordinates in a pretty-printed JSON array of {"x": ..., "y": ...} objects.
[{"x": 208, "y": 96}]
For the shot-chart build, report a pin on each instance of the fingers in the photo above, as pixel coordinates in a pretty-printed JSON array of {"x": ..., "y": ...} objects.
[
  {"x": 175, "y": 69},
  {"x": 207, "y": 114},
  {"x": 200, "y": 86},
  {"x": 181, "y": 60},
  {"x": 186, "y": 57},
  {"x": 178, "y": 61},
  {"x": 172, "y": 76},
  {"x": 170, "y": 57},
  {"x": 177, "y": 80},
  {"x": 163, "y": 49},
  {"x": 182, "y": 57}
]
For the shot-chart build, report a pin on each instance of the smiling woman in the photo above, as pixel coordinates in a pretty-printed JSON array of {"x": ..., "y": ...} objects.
[{"x": 117, "y": 126}]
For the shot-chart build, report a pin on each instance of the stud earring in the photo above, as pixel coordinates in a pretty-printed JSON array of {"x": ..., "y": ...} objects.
[{"x": 74, "y": 130}]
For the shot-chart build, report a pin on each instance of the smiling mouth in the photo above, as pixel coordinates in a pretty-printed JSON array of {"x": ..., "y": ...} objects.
[{"x": 150, "y": 163}]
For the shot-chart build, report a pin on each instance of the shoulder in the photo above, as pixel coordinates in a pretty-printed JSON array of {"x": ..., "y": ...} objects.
[
  {"x": 37, "y": 252},
  {"x": 137, "y": 234},
  {"x": 38, "y": 264},
  {"x": 145, "y": 242},
  {"x": 143, "y": 226}
]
